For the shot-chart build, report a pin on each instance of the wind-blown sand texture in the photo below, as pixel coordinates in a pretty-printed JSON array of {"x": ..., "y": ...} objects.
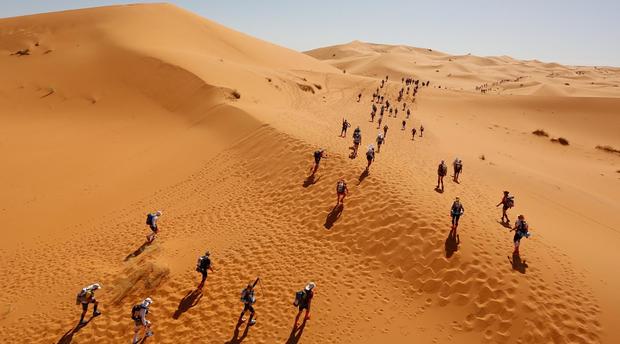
[{"x": 116, "y": 111}]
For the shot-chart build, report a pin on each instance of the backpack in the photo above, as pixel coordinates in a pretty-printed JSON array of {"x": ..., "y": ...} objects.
[
  {"x": 523, "y": 227},
  {"x": 456, "y": 208},
  {"x": 442, "y": 170},
  {"x": 149, "y": 219},
  {"x": 379, "y": 139},
  {"x": 135, "y": 311},
  {"x": 340, "y": 187},
  {"x": 370, "y": 155},
  {"x": 458, "y": 165},
  {"x": 299, "y": 296},
  {"x": 247, "y": 296},
  {"x": 510, "y": 201},
  {"x": 203, "y": 264},
  {"x": 317, "y": 154}
]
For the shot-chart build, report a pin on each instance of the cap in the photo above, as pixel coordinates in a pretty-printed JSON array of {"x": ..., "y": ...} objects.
[
  {"x": 147, "y": 302},
  {"x": 310, "y": 286},
  {"x": 158, "y": 213},
  {"x": 207, "y": 253}
]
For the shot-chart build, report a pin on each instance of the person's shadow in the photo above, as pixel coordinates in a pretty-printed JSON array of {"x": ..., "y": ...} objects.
[
  {"x": 68, "y": 336},
  {"x": 311, "y": 180},
  {"x": 333, "y": 216},
  {"x": 363, "y": 176},
  {"x": 190, "y": 300},
  {"x": 517, "y": 263},
  {"x": 505, "y": 224},
  {"x": 452, "y": 243},
  {"x": 138, "y": 251},
  {"x": 438, "y": 190},
  {"x": 236, "y": 339},
  {"x": 296, "y": 333}
]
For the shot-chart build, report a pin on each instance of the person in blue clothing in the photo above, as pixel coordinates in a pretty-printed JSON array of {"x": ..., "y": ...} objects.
[{"x": 456, "y": 211}]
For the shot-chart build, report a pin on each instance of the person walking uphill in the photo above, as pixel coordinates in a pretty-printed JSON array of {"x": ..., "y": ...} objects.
[
  {"x": 442, "y": 170},
  {"x": 507, "y": 202},
  {"x": 521, "y": 229},
  {"x": 138, "y": 315},
  {"x": 370, "y": 156},
  {"x": 151, "y": 221},
  {"x": 318, "y": 155},
  {"x": 85, "y": 297},
  {"x": 379, "y": 142},
  {"x": 341, "y": 191},
  {"x": 248, "y": 299},
  {"x": 456, "y": 211},
  {"x": 458, "y": 167},
  {"x": 345, "y": 126},
  {"x": 357, "y": 140},
  {"x": 203, "y": 265},
  {"x": 303, "y": 300}
]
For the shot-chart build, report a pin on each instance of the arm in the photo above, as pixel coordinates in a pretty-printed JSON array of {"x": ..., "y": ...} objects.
[{"x": 143, "y": 316}]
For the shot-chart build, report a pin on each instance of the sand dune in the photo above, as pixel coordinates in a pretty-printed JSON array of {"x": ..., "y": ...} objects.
[{"x": 117, "y": 111}]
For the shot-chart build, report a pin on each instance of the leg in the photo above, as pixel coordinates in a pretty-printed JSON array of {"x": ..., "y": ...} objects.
[
  {"x": 307, "y": 316},
  {"x": 136, "y": 330},
  {"x": 202, "y": 282},
  {"x": 95, "y": 311},
  {"x": 297, "y": 317},
  {"x": 84, "y": 310}
]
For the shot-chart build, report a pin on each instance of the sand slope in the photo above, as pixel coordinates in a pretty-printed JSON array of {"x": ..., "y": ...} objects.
[{"x": 133, "y": 109}]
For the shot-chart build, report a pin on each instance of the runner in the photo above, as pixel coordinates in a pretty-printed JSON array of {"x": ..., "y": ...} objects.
[
  {"x": 413, "y": 131},
  {"x": 303, "y": 300},
  {"x": 138, "y": 315},
  {"x": 345, "y": 126},
  {"x": 456, "y": 211},
  {"x": 85, "y": 297},
  {"x": 204, "y": 266},
  {"x": 379, "y": 142},
  {"x": 341, "y": 191},
  {"x": 370, "y": 156},
  {"x": 458, "y": 167},
  {"x": 521, "y": 229},
  {"x": 442, "y": 170},
  {"x": 404, "y": 125},
  {"x": 151, "y": 221},
  {"x": 318, "y": 155},
  {"x": 248, "y": 299},
  {"x": 507, "y": 202}
]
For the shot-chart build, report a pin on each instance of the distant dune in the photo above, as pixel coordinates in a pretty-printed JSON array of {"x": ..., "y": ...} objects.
[
  {"x": 112, "y": 112},
  {"x": 498, "y": 75}
]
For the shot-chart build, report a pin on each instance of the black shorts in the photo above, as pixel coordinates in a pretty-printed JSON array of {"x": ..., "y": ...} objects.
[
  {"x": 317, "y": 160},
  {"x": 505, "y": 208},
  {"x": 137, "y": 322},
  {"x": 302, "y": 307},
  {"x": 85, "y": 304},
  {"x": 154, "y": 228},
  {"x": 248, "y": 307}
]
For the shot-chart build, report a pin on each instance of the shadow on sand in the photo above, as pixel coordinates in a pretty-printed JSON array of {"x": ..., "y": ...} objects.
[
  {"x": 311, "y": 180},
  {"x": 363, "y": 176},
  {"x": 438, "y": 190},
  {"x": 190, "y": 300},
  {"x": 333, "y": 216},
  {"x": 505, "y": 224},
  {"x": 236, "y": 339},
  {"x": 296, "y": 333},
  {"x": 68, "y": 336},
  {"x": 517, "y": 263},
  {"x": 452, "y": 243},
  {"x": 138, "y": 251}
]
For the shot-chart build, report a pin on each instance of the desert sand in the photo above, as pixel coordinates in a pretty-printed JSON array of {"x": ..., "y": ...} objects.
[{"x": 109, "y": 113}]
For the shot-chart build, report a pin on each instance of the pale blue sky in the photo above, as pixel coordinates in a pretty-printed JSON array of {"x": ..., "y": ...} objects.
[{"x": 569, "y": 31}]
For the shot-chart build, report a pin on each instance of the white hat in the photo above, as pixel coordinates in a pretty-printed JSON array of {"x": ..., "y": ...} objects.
[
  {"x": 310, "y": 286},
  {"x": 147, "y": 302},
  {"x": 158, "y": 213}
]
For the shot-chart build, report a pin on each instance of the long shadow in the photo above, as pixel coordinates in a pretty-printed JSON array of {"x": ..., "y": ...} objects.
[
  {"x": 363, "y": 176},
  {"x": 452, "y": 243},
  {"x": 296, "y": 333},
  {"x": 504, "y": 224},
  {"x": 138, "y": 251},
  {"x": 333, "y": 216},
  {"x": 517, "y": 263},
  {"x": 190, "y": 300},
  {"x": 311, "y": 180},
  {"x": 68, "y": 336},
  {"x": 438, "y": 190},
  {"x": 236, "y": 339}
]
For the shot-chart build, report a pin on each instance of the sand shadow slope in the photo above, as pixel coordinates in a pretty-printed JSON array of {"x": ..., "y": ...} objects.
[
  {"x": 517, "y": 263},
  {"x": 190, "y": 300},
  {"x": 296, "y": 333},
  {"x": 333, "y": 216},
  {"x": 452, "y": 243}
]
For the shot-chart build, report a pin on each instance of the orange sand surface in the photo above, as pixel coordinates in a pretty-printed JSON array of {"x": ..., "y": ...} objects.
[{"x": 113, "y": 112}]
